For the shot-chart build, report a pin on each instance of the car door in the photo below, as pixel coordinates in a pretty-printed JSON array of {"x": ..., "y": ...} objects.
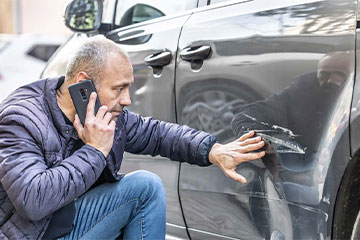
[
  {"x": 152, "y": 47},
  {"x": 255, "y": 64}
]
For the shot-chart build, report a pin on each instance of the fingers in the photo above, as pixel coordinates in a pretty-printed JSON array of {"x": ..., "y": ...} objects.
[
  {"x": 91, "y": 106},
  {"x": 252, "y": 147},
  {"x": 251, "y": 156},
  {"x": 77, "y": 124},
  {"x": 246, "y": 136},
  {"x": 235, "y": 176},
  {"x": 107, "y": 118},
  {"x": 250, "y": 141},
  {"x": 112, "y": 125},
  {"x": 101, "y": 113}
]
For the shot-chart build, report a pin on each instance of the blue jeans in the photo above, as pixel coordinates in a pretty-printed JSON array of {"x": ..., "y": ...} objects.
[{"x": 135, "y": 207}]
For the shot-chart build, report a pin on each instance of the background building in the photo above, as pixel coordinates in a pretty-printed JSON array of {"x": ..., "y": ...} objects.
[{"x": 35, "y": 16}]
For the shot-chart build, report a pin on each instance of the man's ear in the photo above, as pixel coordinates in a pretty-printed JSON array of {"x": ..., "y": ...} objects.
[{"x": 81, "y": 76}]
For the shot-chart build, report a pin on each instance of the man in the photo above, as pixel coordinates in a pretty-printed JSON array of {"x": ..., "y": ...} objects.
[{"x": 60, "y": 178}]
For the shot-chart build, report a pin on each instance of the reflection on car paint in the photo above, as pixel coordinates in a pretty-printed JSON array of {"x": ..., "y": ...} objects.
[{"x": 302, "y": 69}]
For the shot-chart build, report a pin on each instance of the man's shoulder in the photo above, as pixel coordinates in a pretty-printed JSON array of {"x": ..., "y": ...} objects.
[
  {"x": 26, "y": 102},
  {"x": 23, "y": 97}
]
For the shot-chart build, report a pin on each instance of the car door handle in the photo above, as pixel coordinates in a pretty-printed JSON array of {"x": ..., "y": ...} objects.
[
  {"x": 195, "y": 53},
  {"x": 158, "y": 59}
]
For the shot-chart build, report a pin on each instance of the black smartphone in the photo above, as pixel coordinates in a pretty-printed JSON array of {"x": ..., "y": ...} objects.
[{"x": 80, "y": 94}]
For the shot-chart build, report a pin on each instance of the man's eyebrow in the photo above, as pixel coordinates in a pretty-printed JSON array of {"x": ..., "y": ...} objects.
[{"x": 124, "y": 84}]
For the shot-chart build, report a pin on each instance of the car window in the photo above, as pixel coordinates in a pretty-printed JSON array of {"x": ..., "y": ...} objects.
[
  {"x": 134, "y": 11},
  {"x": 139, "y": 13},
  {"x": 42, "y": 51}
]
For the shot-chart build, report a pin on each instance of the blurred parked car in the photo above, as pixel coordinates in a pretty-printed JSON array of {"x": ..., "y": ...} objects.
[
  {"x": 285, "y": 68},
  {"x": 23, "y": 58}
]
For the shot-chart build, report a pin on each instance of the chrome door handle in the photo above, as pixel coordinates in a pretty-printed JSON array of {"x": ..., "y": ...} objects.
[
  {"x": 195, "y": 53},
  {"x": 158, "y": 59}
]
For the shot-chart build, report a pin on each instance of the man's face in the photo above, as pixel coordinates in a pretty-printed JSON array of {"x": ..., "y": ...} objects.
[
  {"x": 334, "y": 69},
  {"x": 115, "y": 84}
]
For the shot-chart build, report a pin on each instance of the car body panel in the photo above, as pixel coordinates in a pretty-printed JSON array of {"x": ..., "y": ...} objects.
[
  {"x": 355, "y": 108},
  {"x": 259, "y": 51}
]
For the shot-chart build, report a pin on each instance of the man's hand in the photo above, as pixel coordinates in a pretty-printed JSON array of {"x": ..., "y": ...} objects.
[
  {"x": 228, "y": 156},
  {"x": 98, "y": 130}
]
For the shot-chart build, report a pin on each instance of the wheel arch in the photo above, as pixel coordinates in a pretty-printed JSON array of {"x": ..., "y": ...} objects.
[{"x": 347, "y": 200}]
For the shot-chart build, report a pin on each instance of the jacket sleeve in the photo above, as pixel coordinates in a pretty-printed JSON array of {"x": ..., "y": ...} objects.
[
  {"x": 179, "y": 143},
  {"x": 34, "y": 189}
]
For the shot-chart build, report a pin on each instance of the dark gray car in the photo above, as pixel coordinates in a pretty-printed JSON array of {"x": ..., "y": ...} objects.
[{"x": 285, "y": 68}]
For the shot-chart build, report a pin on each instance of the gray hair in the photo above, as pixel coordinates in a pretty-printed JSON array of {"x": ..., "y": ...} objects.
[{"x": 91, "y": 57}]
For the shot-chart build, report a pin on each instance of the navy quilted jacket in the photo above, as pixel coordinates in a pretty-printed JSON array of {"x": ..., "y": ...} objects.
[{"x": 37, "y": 173}]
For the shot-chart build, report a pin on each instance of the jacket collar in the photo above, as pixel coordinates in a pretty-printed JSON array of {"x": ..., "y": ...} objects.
[{"x": 66, "y": 130}]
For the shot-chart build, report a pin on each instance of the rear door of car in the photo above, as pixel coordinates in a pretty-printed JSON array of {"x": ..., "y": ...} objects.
[
  {"x": 152, "y": 47},
  {"x": 232, "y": 53}
]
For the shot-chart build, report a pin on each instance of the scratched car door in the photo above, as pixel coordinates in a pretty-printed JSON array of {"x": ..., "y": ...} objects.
[{"x": 240, "y": 64}]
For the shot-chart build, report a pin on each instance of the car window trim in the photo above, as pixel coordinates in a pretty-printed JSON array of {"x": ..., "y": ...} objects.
[
  {"x": 155, "y": 20},
  {"x": 235, "y": 2}
]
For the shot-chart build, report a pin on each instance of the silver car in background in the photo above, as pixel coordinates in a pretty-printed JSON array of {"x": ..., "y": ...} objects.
[
  {"x": 286, "y": 68},
  {"x": 23, "y": 58}
]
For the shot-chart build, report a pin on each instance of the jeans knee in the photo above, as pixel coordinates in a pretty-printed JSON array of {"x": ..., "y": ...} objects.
[{"x": 150, "y": 184}]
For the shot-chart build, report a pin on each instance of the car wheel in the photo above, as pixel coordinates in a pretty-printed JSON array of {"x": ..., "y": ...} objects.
[{"x": 211, "y": 105}]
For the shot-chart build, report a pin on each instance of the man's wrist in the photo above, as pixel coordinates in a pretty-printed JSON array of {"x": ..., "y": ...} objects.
[
  {"x": 212, "y": 153},
  {"x": 105, "y": 153},
  {"x": 98, "y": 152}
]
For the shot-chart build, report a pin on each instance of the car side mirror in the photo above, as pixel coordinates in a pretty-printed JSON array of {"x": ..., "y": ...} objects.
[{"x": 84, "y": 15}]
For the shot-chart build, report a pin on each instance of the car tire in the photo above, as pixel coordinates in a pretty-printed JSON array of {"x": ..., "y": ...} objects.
[{"x": 356, "y": 229}]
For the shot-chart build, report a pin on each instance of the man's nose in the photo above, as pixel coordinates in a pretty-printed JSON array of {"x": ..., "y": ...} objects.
[{"x": 125, "y": 99}]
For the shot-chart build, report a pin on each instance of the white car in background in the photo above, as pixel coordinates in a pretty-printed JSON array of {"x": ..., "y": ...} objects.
[{"x": 23, "y": 58}]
